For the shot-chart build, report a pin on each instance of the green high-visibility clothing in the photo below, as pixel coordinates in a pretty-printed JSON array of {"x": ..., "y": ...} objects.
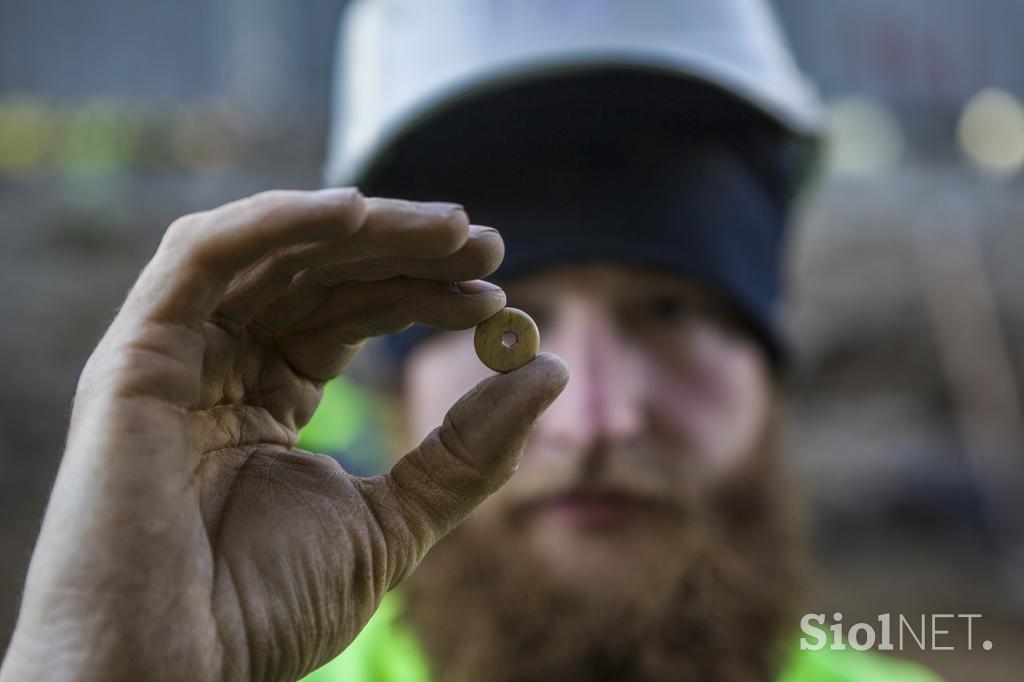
[{"x": 387, "y": 651}]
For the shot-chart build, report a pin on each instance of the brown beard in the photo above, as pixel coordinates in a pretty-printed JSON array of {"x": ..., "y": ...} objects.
[{"x": 712, "y": 599}]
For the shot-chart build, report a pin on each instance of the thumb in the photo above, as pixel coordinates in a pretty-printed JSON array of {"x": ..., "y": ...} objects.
[{"x": 473, "y": 453}]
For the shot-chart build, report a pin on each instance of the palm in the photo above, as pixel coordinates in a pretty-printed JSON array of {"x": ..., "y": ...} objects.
[{"x": 271, "y": 516}]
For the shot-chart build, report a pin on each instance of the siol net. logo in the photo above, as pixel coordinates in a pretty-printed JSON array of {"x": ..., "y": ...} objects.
[{"x": 930, "y": 632}]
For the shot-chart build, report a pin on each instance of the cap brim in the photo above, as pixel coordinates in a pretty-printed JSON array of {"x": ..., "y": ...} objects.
[{"x": 801, "y": 117}]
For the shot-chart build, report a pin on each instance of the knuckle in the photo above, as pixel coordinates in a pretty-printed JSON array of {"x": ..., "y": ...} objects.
[
  {"x": 454, "y": 233},
  {"x": 265, "y": 204},
  {"x": 179, "y": 241},
  {"x": 182, "y": 229},
  {"x": 190, "y": 243},
  {"x": 351, "y": 206},
  {"x": 269, "y": 199},
  {"x": 347, "y": 207}
]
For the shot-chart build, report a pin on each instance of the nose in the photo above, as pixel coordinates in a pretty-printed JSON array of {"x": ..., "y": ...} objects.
[{"x": 602, "y": 401}]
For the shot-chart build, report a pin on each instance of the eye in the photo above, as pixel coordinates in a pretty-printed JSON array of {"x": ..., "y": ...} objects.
[
  {"x": 657, "y": 311},
  {"x": 670, "y": 311},
  {"x": 653, "y": 312},
  {"x": 666, "y": 309}
]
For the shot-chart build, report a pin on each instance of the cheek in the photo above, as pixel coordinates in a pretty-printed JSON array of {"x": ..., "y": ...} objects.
[
  {"x": 745, "y": 396},
  {"x": 713, "y": 404},
  {"x": 437, "y": 374}
]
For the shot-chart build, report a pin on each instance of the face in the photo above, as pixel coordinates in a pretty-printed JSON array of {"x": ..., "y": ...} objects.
[{"x": 666, "y": 399}]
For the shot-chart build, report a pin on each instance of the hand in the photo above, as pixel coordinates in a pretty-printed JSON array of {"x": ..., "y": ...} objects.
[{"x": 186, "y": 538}]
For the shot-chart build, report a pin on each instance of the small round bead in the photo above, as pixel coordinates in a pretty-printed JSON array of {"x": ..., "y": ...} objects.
[{"x": 507, "y": 340}]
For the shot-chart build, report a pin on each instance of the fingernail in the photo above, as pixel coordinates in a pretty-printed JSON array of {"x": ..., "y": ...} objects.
[
  {"x": 333, "y": 192},
  {"x": 443, "y": 208},
  {"x": 476, "y": 286}
]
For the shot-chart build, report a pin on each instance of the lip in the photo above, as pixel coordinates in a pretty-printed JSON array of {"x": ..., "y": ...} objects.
[{"x": 592, "y": 508}]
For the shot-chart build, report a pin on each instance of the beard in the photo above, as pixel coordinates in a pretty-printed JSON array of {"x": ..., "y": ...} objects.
[{"x": 707, "y": 594}]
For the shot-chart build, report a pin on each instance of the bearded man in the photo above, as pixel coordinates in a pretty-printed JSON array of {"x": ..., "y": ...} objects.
[{"x": 640, "y": 159}]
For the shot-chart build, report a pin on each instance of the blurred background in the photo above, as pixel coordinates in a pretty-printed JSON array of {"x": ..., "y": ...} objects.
[{"x": 117, "y": 116}]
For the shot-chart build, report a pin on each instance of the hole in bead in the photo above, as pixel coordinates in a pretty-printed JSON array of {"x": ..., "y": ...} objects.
[{"x": 509, "y": 339}]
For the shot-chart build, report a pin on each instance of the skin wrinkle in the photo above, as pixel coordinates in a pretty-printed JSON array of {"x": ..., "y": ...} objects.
[
  {"x": 414, "y": 530},
  {"x": 290, "y": 437},
  {"x": 146, "y": 398},
  {"x": 283, "y": 464},
  {"x": 326, "y": 293},
  {"x": 295, "y": 297},
  {"x": 213, "y": 532},
  {"x": 233, "y": 436},
  {"x": 457, "y": 447},
  {"x": 228, "y": 665},
  {"x": 227, "y": 649},
  {"x": 451, "y": 240},
  {"x": 296, "y": 371},
  {"x": 309, "y": 607},
  {"x": 370, "y": 501},
  {"x": 272, "y": 382},
  {"x": 401, "y": 305},
  {"x": 130, "y": 354},
  {"x": 272, "y": 210},
  {"x": 141, "y": 341},
  {"x": 364, "y": 323},
  {"x": 417, "y": 488},
  {"x": 265, "y": 478},
  {"x": 232, "y": 465},
  {"x": 263, "y": 387},
  {"x": 365, "y": 269},
  {"x": 261, "y": 278},
  {"x": 233, "y": 234},
  {"x": 236, "y": 333},
  {"x": 466, "y": 263}
]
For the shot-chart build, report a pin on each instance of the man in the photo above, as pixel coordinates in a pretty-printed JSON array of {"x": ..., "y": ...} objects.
[
  {"x": 648, "y": 533},
  {"x": 639, "y": 159}
]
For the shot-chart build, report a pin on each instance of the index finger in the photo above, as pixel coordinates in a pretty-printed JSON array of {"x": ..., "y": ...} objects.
[{"x": 201, "y": 254}]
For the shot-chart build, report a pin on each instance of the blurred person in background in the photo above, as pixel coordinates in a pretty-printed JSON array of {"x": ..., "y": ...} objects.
[{"x": 640, "y": 160}]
